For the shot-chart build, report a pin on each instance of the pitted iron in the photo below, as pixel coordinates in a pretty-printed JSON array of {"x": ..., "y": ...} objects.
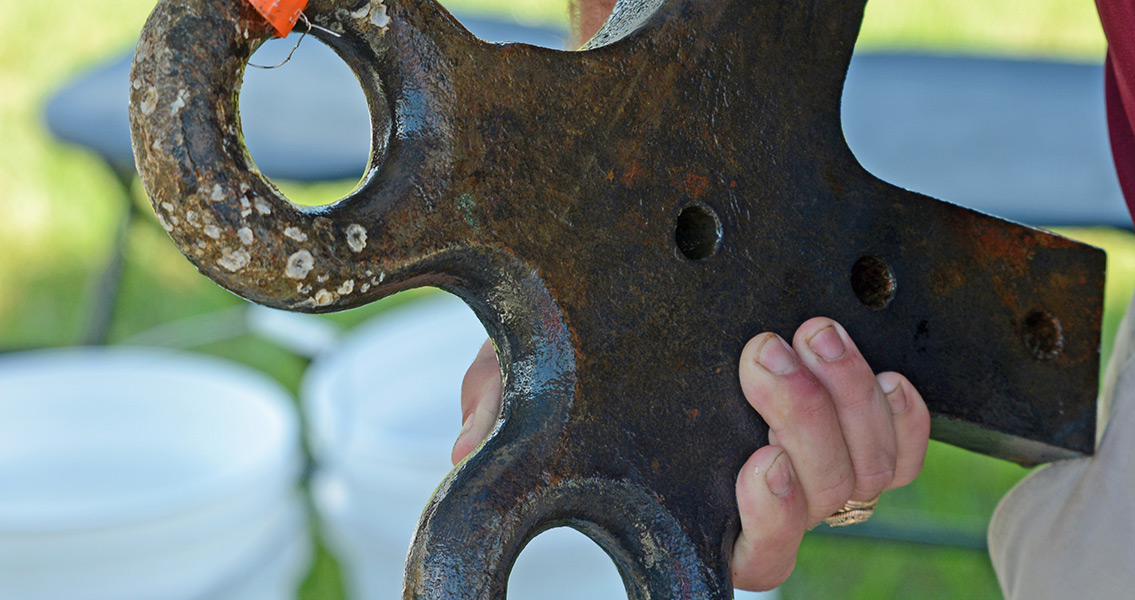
[{"x": 622, "y": 219}]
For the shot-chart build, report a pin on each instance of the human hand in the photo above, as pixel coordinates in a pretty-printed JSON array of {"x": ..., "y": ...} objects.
[{"x": 836, "y": 433}]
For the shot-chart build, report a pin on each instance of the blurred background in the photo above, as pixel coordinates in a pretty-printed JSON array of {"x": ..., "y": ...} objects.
[{"x": 62, "y": 212}]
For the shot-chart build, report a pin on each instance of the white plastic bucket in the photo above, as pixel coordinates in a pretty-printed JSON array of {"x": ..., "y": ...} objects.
[
  {"x": 143, "y": 474},
  {"x": 383, "y": 411}
]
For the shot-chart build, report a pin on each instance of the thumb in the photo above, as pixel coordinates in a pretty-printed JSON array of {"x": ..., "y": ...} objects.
[{"x": 480, "y": 402}]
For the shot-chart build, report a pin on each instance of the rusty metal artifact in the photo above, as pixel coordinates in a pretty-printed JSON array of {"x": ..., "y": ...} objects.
[{"x": 622, "y": 219}]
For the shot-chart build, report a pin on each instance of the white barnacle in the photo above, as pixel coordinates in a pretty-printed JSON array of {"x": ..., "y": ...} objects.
[
  {"x": 168, "y": 206},
  {"x": 179, "y": 103},
  {"x": 218, "y": 193},
  {"x": 149, "y": 101},
  {"x": 234, "y": 260},
  {"x": 262, "y": 206},
  {"x": 379, "y": 17},
  {"x": 347, "y": 287},
  {"x": 323, "y": 278},
  {"x": 165, "y": 224},
  {"x": 212, "y": 231},
  {"x": 245, "y": 235},
  {"x": 296, "y": 234},
  {"x": 364, "y": 288},
  {"x": 303, "y": 289},
  {"x": 191, "y": 216},
  {"x": 299, "y": 264},
  {"x": 356, "y": 237},
  {"x": 245, "y": 207},
  {"x": 323, "y": 297}
]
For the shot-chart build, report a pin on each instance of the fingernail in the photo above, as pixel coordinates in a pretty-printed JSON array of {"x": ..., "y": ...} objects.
[
  {"x": 889, "y": 382},
  {"x": 778, "y": 477},
  {"x": 775, "y": 356},
  {"x": 772, "y": 438},
  {"x": 827, "y": 344}
]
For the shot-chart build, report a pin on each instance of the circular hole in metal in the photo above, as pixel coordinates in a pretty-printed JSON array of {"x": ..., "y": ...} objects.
[
  {"x": 697, "y": 232},
  {"x": 1043, "y": 334},
  {"x": 306, "y": 123},
  {"x": 551, "y": 564},
  {"x": 873, "y": 282}
]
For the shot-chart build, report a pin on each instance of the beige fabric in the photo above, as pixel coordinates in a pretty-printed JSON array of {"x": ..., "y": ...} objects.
[{"x": 1068, "y": 530}]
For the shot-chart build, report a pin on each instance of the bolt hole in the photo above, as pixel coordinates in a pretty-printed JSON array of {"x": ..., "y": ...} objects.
[
  {"x": 697, "y": 232},
  {"x": 873, "y": 282},
  {"x": 1044, "y": 335}
]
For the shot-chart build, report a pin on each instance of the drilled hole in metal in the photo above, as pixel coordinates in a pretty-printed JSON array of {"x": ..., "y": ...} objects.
[
  {"x": 697, "y": 232},
  {"x": 873, "y": 282},
  {"x": 1043, "y": 334}
]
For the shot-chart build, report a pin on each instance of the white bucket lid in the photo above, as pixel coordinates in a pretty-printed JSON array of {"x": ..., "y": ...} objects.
[
  {"x": 104, "y": 437},
  {"x": 390, "y": 394}
]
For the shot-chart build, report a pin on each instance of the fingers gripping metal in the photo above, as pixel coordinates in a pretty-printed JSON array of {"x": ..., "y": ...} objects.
[{"x": 622, "y": 220}]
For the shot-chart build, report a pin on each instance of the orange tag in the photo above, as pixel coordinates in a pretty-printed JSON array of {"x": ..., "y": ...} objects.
[{"x": 280, "y": 14}]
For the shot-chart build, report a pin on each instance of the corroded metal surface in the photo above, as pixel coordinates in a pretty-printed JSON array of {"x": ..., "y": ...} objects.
[{"x": 622, "y": 220}]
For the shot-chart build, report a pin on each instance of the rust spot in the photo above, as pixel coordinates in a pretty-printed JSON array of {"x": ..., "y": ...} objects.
[
  {"x": 1000, "y": 245},
  {"x": 692, "y": 185},
  {"x": 633, "y": 174},
  {"x": 947, "y": 277}
]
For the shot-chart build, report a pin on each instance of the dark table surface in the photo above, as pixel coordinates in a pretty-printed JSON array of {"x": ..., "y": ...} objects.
[{"x": 1021, "y": 139}]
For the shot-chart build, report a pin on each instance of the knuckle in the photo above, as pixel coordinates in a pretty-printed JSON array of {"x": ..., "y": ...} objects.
[
  {"x": 779, "y": 577},
  {"x": 871, "y": 483},
  {"x": 798, "y": 399},
  {"x": 860, "y": 398},
  {"x": 767, "y": 576},
  {"x": 831, "y": 497},
  {"x": 808, "y": 404},
  {"x": 784, "y": 535}
]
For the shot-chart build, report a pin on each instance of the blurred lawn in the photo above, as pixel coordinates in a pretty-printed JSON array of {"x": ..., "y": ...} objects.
[{"x": 60, "y": 206}]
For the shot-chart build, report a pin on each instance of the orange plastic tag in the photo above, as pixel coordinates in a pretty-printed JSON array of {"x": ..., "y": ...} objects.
[{"x": 280, "y": 14}]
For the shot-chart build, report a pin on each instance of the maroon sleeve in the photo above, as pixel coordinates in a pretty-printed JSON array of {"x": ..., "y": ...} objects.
[{"x": 1118, "y": 19}]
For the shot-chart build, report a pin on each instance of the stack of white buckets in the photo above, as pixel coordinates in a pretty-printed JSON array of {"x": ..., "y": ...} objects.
[{"x": 130, "y": 474}]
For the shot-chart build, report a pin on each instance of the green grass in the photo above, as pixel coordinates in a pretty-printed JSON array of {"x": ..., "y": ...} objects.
[{"x": 60, "y": 206}]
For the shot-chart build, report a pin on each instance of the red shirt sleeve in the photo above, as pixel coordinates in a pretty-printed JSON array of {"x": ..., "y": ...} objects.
[{"x": 1118, "y": 19}]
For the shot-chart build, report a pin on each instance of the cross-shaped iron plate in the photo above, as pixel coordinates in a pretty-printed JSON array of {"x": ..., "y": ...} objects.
[{"x": 622, "y": 219}]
